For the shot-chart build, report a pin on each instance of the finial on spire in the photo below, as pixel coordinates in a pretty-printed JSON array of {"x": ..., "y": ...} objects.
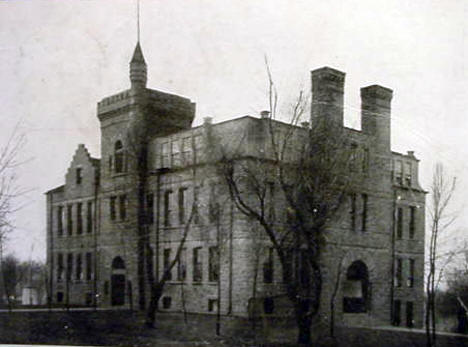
[
  {"x": 138, "y": 64},
  {"x": 138, "y": 20}
]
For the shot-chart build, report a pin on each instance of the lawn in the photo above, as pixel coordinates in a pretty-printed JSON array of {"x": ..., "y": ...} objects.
[{"x": 126, "y": 328}]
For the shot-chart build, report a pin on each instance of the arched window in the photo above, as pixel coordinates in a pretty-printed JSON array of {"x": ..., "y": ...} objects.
[
  {"x": 356, "y": 288},
  {"x": 118, "y": 157},
  {"x": 118, "y": 263}
]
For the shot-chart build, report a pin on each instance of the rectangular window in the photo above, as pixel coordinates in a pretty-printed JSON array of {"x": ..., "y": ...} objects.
[
  {"x": 396, "y": 319},
  {"x": 197, "y": 265},
  {"x": 123, "y": 207},
  {"x": 167, "y": 263},
  {"x": 271, "y": 202},
  {"x": 150, "y": 208},
  {"x": 59, "y": 267},
  {"x": 182, "y": 205},
  {"x": 399, "y": 223},
  {"x": 165, "y": 150},
  {"x": 187, "y": 150},
  {"x": 409, "y": 314},
  {"x": 399, "y": 272},
  {"x": 167, "y": 300},
  {"x": 410, "y": 282},
  {"x": 79, "y": 269},
  {"x": 196, "y": 212},
  {"x": 89, "y": 217},
  {"x": 399, "y": 172},
  {"x": 198, "y": 146},
  {"x": 364, "y": 213},
  {"x": 70, "y": 219},
  {"x": 213, "y": 207},
  {"x": 79, "y": 218},
  {"x": 59, "y": 297},
  {"x": 352, "y": 211},
  {"x": 213, "y": 264},
  {"x": 60, "y": 221},
  {"x": 89, "y": 266},
  {"x": 112, "y": 207},
  {"x": 268, "y": 269},
  {"x": 88, "y": 298},
  {"x": 212, "y": 305},
  {"x": 268, "y": 305},
  {"x": 79, "y": 177},
  {"x": 412, "y": 223},
  {"x": 69, "y": 266},
  {"x": 408, "y": 174},
  {"x": 167, "y": 208},
  {"x": 353, "y": 155},
  {"x": 365, "y": 160},
  {"x": 175, "y": 154},
  {"x": 182, "y": 265}
]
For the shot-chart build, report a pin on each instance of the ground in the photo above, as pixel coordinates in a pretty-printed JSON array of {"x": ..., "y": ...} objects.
[{"x": 126, "y": 328}]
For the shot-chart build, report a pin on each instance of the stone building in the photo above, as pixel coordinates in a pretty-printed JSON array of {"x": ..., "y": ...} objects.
[{"x": 101, "y": 246}]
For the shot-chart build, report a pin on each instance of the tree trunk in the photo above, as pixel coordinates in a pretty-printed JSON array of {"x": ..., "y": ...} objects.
[
  {"x": 304, "y": 321},
  {"x": 156, "y": 293}
]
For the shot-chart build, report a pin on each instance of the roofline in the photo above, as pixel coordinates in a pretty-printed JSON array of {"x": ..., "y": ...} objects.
[{"x": 56, "y": 189}]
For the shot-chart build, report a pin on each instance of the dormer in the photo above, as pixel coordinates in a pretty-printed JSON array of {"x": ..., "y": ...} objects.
[{"x": 405, "y": 168}]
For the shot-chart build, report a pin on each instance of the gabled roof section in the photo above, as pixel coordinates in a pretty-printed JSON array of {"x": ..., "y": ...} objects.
[{"x": 81, "y": 154}]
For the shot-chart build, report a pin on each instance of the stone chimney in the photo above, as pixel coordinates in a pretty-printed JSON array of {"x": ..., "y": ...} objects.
[
  {"x": 375, "y": 115},
  {"x": 327, "y": 96},
  {"x": 265, "y": 114}
]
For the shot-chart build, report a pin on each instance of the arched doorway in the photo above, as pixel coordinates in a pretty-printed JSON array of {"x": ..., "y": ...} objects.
[
  {"x": 118, "y": 282},
  {"x": 356, "y": 288}
]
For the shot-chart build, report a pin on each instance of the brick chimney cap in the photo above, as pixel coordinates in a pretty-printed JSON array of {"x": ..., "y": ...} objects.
[
  {"x": 328, "y": 71},
  {"x": 377, "y": 91}
]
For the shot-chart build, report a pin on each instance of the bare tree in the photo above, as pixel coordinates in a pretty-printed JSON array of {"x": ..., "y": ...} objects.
[
  {"x": 157, "y": 284},
  {"x": 310, "y": 172},
  {"x": 456, "y": 296},
  {"x": 336, "y": 287},
  {"x": 11, "y": 276},
  {"x": 9, "y": 190},
  {"x": 442, "y": 190}
]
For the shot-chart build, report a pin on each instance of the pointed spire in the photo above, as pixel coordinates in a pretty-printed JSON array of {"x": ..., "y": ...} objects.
[
  {"x": 138, "y": 68},
  {"x": 138, "y": 55}
]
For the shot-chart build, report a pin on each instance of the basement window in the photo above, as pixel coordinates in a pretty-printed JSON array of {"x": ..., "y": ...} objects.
[
  {"x": 212, "y": 305},
  {"x": 268, "y": 305},
  {"x": 166, "y": 301}
]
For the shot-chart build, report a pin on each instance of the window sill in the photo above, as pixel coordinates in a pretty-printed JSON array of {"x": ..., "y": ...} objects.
[
  {"x": 177, "y": 282},
  {"x": 119, "y": 174}
]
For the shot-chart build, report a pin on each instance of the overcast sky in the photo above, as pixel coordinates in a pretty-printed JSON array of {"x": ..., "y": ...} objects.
[{"x": 59, "y": 58}]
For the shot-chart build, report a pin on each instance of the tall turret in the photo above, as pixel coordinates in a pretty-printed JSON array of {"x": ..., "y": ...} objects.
[{"x": 138, "y": 69}]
